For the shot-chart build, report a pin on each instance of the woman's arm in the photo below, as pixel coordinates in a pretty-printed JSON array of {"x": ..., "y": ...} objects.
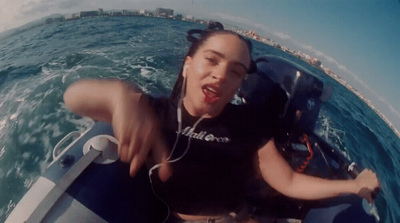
[
  {"x": 98, "y": 98},
  {"x": 134, "y": 123},
  {"x": 279, "y": 175}
]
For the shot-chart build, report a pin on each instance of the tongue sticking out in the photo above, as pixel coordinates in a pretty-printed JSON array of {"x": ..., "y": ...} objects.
[{"x": 210, "y": 96}]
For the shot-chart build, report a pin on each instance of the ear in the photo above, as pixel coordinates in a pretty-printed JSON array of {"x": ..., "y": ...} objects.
[
  {"x": 186, "y": 65},
  {"x": 184, "y": 70},
  {"x": 188, "y": 60}
]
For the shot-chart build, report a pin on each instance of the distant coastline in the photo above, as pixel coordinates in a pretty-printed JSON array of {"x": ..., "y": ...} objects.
[
  {"x": 318, "y": 64},
  {"x": 169, "y": 14}
]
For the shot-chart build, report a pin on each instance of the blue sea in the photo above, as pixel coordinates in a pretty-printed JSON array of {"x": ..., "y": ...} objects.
[{"x": 37, "y": 65}]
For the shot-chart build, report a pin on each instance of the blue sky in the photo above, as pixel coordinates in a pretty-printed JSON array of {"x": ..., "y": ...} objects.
[{"x": 357, "y": 39}]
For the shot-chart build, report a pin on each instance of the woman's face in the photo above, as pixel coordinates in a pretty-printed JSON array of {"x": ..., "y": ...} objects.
[{"x": 214, "y": 73}]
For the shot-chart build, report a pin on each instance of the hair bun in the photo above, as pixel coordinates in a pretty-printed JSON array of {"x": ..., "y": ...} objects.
[
  {"x": 215, "y": 26},
  {"x": 194, "y": 35}
]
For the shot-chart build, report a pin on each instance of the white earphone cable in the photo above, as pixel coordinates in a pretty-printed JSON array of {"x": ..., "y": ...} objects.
[{"x": 179, "y": 119}]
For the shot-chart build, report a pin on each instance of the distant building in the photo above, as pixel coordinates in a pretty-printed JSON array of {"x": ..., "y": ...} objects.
[
  {"x": 56, "y": 19},
  {"x": 179, "y": 17},
  {"x": 316, "y": 62},
  {"x": 253, "y": 34},
  {"x": 115, "y": 13},
  {"x": 129, "y": 12},
  {"x": 200, "y": 21},
  {"x": 188, "y": 17},
  {"x": 145, "y": 12},
  {"x": 89, "y": 14},
  {"x": 162, "y": 12},
  {"x": 72, "y": 16},
  {"x": 285, "y": 48}
]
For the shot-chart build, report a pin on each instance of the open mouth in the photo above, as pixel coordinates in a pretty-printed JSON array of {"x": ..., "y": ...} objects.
[{"x": 211, "y": 94}]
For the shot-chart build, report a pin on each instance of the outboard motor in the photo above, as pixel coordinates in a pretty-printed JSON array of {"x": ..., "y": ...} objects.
[{"x": 293, "y": 94}]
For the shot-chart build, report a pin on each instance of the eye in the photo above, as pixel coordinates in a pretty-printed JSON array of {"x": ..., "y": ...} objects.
[
  {"x": 237, "y": 73},
  {"x": 212, "y": 60}
]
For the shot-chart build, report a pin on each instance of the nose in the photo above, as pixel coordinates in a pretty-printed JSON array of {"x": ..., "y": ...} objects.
[{"x": 221, "y": 73}]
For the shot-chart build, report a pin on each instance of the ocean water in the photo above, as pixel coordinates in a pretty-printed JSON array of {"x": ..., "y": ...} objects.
[{"x": 37, "y": 65}]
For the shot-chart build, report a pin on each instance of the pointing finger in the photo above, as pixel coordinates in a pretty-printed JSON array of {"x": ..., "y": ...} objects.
[
  {"x": 137, "y": 162},
  {"x": 160, "y": 153},
  {"x": 139, "y": 151}
]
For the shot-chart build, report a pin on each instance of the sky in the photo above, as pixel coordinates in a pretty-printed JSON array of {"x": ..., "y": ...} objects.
[{"x": 357, "y": 39}]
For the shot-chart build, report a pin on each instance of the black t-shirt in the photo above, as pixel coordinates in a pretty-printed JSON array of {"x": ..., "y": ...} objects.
[{"x": 211, "y": 177}]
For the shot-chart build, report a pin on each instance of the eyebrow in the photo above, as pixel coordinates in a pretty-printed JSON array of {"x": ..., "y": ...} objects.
[{"x": 223, "y": 56}]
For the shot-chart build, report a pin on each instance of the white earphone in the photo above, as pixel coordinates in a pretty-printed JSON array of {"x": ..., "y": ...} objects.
[{"x": 185, "y": 70}]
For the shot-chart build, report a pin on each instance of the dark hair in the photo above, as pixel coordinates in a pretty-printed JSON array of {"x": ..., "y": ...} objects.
[{"x": 197, "y": 37}]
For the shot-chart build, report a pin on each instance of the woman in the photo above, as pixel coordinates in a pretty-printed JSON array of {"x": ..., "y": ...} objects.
[{"x": 203, "y": 146}]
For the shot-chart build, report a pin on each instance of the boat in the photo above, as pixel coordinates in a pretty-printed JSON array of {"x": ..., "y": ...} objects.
[
  {"x": 296, "y": 96},
  {"x": 86, "y": 182}
]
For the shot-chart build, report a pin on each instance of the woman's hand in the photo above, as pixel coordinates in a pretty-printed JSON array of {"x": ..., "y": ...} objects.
[
  {"x": 134, "y": 124},
  {"x": 367, "y": 184},
  {"x": 137, "y": 130}
]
